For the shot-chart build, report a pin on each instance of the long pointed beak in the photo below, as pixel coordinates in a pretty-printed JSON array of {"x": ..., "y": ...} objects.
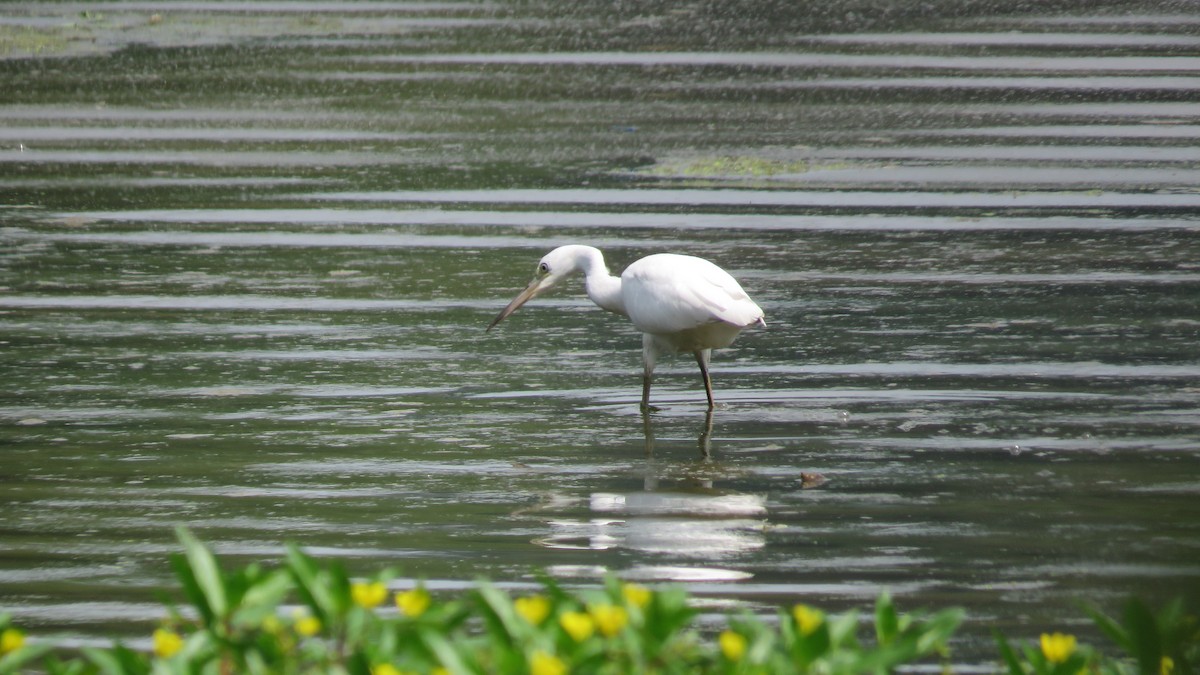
[{"x": 536, "y": 286}]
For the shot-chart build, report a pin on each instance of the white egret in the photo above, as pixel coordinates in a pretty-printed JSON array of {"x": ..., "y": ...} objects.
[{"x": 679, "y": 302}]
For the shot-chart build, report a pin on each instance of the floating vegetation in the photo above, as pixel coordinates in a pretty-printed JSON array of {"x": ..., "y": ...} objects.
[
  {"x": 745, "y": 170},
  {"x": 24, "y": 41}
]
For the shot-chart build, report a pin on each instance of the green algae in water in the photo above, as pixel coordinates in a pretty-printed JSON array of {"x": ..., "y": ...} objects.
[{"x": 727, "y": 166}]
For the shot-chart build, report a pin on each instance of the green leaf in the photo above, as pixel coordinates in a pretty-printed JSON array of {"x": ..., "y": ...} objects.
[
  {"x": 1178, "y": 635},
  {"x": 263, "y": 596},
  {"x": 206, "y": 572},
  {"x": 887, "y": 624},
  {"x": 191, "y": 589},
  {"x": 14, "y": 660},
  {"x": 1010, "y": 657},
  {"x": 815, "y": 645},
  {"x": 1074, "y": 664},
  {"x": 119, "y": 660},
  {"x": 338, "y": 584},
  {"x": 668, "y": 613},
  {"x": 1036, "y": 660},
  {"x": 1143, "y": 637},
  {"x": 762, "y": 640},
  {"x": 842, "y": 630},
  {"x": 499, "y": 614},
  {"x": 54, "y": 666},
  {"x": 357, "y": 664},
  {"x": 936, "y": 632},
  {"x": 104, "y": 660},
  {"x": 306, "y": 576},
  {"x": 446, "y": 653},
  {"x": 1111, "y": 628}
]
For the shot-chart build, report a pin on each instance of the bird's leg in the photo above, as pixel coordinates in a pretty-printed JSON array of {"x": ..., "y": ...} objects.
[
  {"x": 702, "y": 356},
  {"x": 649, "y": 357},
  {"x": 646, "y": 407}
]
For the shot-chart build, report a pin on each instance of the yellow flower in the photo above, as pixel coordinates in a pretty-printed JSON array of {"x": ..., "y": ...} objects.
[
  {"x": 733, "y": 645},
  {"x": 638, "y": 596},
  {"x": 542, "y": 663},
  {"x": 610, "y": 619},
  {"x": 368, "y": 595},
  {"x": 578, "y": 625},
  {"x": 1166, "y": 665},
  {"x": 808, "y": 620},
  {"x": 166, "y": 643},
  {"x": 306, "y": 624},
  {"x": 533, "y": 609},
  {"x": 414, "y": 603},
  {"x": 11, "y": 640},
  {"x": 439, "y": 671},
  {"x": 1057, "y": 647}
]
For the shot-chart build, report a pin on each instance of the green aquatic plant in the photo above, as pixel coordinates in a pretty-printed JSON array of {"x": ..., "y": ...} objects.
[
  {"x": 1166, "y": 643},
  {"x": 308, "y": 616}
]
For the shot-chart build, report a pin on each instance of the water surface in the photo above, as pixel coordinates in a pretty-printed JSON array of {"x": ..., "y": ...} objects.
[{"x": 248, "y": 251}]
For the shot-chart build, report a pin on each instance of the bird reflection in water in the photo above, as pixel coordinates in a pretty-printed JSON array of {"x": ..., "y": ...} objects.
[
  {"x": 704, "y": 441},
  {"x": 693, "y": 519}
]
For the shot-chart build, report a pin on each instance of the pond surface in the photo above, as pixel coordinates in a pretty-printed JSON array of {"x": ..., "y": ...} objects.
[{"x": 248, "y": 252}]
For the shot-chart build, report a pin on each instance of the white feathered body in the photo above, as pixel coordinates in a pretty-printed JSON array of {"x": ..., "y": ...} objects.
[{"x": 687, "y": 303}]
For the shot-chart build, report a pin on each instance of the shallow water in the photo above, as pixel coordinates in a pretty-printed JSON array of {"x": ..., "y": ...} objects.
[{"x": 247, "y": 255}]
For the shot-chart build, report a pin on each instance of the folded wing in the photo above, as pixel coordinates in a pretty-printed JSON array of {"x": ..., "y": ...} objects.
[{"x": 668, "y": 293}]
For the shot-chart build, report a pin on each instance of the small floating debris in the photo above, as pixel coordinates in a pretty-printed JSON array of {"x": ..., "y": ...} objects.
[{"x": 810, "y": 479}]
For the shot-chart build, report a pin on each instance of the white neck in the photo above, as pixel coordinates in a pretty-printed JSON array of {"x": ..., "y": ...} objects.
[{"x": 603, "y": 288}]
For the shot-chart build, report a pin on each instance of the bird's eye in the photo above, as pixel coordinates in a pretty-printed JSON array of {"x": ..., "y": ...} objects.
[{"x": 543, "y": 268}]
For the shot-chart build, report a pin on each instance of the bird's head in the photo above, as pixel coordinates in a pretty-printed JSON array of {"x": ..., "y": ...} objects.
[{"x": 551, "y": 269}]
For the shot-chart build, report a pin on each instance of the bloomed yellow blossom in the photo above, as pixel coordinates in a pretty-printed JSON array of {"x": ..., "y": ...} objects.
[
  {"x": 733, "y": 645},
  {"x": 542, "y": 663},
  {"x": 534, "y": 608},
  {"x": 11, "y": 640},
  {"x": 636, "y": 595},
  {"x": 1166, "y": 665},
  {"x": 610, "y": 619},
  {"x": 414, "y": 603},
  {"x": 1057, "y": 647},
  {"x": 808, "y": 620},
  {"x": 166, "y": 643},
  {"x": 578, "y": 625},
  {"x": 440, "y": 670},
  {"x": 306, "y": 624},
  {"x": 368, "y": 595}
]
